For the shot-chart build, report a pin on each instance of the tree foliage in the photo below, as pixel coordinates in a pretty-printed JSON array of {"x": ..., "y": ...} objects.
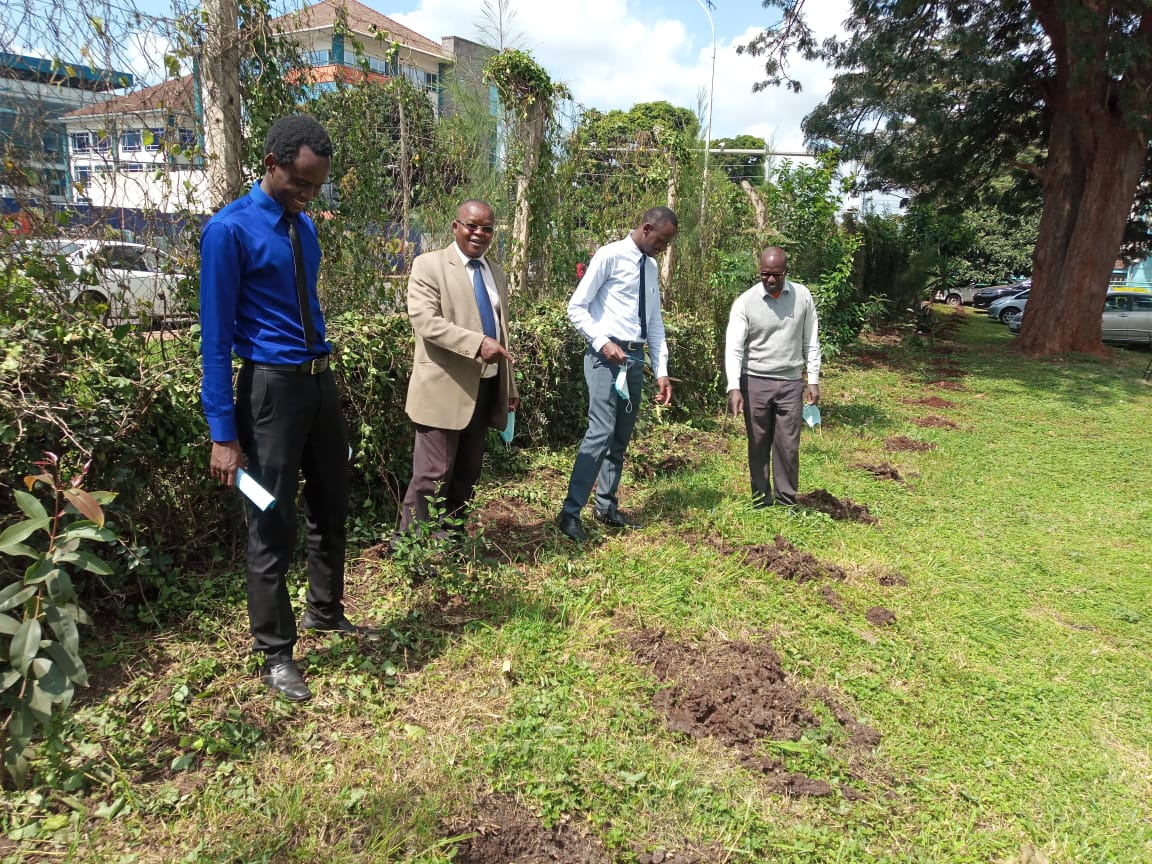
[
  {"x": 741, "y": 166},
  {"x": 940, "y": 98}
]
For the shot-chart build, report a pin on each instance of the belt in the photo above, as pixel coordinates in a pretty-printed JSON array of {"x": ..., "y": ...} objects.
[
  {"x": 628, "y": 346},
  {"x": 309, "y": 367}
]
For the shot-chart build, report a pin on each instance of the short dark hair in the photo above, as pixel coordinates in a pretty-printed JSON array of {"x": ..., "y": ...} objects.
[
  {"x": 657, "y": 216},
  {"x": 288, "y": 134},
  {"x": 479, "y": 202}
]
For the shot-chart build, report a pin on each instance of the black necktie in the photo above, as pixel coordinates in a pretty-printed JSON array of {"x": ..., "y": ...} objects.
[
  {"x": 301, "y": 285},
  {"x": 643, "y": 301}
]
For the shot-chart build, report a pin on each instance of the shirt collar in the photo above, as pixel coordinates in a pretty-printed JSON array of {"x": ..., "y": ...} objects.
[
  {"x": 271, "y": 211},
  {"x": 465, "y": 259},
  {"x": 632, "y": 243},
  {"x": 787, "y": 289}
]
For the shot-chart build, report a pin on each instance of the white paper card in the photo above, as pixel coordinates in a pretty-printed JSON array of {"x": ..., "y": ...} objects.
[{"x": 256, "y": 493}]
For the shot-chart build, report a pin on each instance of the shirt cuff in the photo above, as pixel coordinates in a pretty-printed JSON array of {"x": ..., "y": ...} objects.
[
  {"x": 599, "y": 342},
  {"x": 222, "y": 429}
]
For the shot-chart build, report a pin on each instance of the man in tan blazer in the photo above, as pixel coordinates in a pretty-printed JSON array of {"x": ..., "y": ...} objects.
[{"x": 462, "y": 381}]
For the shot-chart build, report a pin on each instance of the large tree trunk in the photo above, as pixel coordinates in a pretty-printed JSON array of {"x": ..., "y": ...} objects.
[
  {"x": 1093, "y": 166},
  {"x": 532, "y": 135},
  {"x": 219, "y": 67}
]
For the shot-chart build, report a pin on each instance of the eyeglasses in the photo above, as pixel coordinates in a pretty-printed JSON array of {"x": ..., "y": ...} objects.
[
  {"x": 486, "y": 230},
  {"x": 779, "y": 274}
]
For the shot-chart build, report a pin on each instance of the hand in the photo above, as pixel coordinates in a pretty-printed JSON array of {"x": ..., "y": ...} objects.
[
  {"x": 226, "y": 458},
  {"x": 613, "y": 353},
  {"x": 664, "y": 388},
  {"x": 735, "y": 403},
  {"x": 513, "y": 403},
  {"x": 812, "y": 394},
  {"x": 492, "y": 351}
]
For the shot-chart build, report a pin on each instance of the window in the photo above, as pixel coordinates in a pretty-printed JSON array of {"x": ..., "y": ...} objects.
[
  {"x": 134, "y": 167},
  {"x": 102, "y": 141},
  {"x": 131, "y": 142},
  {"x": 81, "y": 142},
  {"x": 153, "y": 138},
  {"x": 1143, "y": 303},
  {"x": 426, "y": 81},
  {"x": 1118, "y": 302},
  {"x": 83, "y": 172},
  {"x": 318, "y": 58},
  {"x": 378, "y": 65},
  {"x": 187, "y": 138}
]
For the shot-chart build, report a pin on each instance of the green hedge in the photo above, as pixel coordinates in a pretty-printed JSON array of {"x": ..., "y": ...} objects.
[{"x": 130, "y": 401}]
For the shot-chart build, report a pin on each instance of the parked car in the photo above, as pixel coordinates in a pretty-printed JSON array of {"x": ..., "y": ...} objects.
[
  {"x": 958, "y": 295},
  {"x": 1007, "y": 308},
  {"x": 985, "y": 297},
  {"x": 119, "y": 281},
  {"x": 1127, "y": 317}
]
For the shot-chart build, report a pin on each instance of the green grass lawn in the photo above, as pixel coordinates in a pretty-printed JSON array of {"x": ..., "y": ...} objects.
[{"x": 505, "y": 714}]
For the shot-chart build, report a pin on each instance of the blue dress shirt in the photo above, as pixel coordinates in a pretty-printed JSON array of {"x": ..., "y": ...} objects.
[{"x": 248, "y": 302}]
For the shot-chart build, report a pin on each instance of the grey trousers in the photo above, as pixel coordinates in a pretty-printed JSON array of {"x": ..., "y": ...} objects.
[
  {"x": 773, "y": 415},
  {"x": 611, "y": 419}
]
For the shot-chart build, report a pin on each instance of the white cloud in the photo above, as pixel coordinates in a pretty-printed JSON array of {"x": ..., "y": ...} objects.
[{"x": 612, "y": 59}]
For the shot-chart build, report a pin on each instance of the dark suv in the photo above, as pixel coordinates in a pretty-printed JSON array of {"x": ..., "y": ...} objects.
[{"x": 985, "y": 297}]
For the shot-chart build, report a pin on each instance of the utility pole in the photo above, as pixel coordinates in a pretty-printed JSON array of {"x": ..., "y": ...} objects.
[
  {"x": 219, "y": 84},
  {"x": 704, "y": 4}
]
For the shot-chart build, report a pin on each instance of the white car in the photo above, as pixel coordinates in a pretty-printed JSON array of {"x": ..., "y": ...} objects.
[
  {"x": 1127, "y": 317},
  {"x": 119, "y": 281}
]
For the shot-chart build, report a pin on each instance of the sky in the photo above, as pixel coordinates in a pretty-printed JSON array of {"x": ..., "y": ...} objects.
[
  {"x": 610, "y": 53},
  {"x": 615, "y": 53}
]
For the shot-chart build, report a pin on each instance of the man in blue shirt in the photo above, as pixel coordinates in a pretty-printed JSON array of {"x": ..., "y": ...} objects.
[{"x": 259, "y": 261}]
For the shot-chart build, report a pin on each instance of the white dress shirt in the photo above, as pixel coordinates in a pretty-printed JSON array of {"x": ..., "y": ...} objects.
[
  {"x": 490, "y": 369},
  {"x": 606, "y": 303}
]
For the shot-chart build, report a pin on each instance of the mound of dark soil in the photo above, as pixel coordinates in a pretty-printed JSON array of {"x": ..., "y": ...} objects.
[
  {"x": 931, "y": 402},
  {"x": 846, "y": 509},
  {"x": 954, "y": 386},
  {"x": 739, "y": 694},
  {"x": 934, "y": 422},
  {"x": 898, "y": 443},
  {"x": 832, "y": 598},
  {"x": 891, "y": 578},
  {"x": 506, "y": 833},
  {"x": 783, "y": 559},
  {"x": 880, "y": 617},
  {"x": 881, "y": 471}
]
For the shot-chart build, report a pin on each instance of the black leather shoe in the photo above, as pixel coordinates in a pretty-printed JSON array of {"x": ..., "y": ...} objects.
[
  {"x": 571, "y": 528},
  {"x": 283, "y": 676},
  {"x": 341, "y": 625},
  {"x": 615, "y": 520}
]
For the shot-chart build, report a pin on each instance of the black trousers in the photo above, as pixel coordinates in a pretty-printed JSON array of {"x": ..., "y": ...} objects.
[
  {"x": 449, "y": 459},
  {"x": 291, "y": 423}
]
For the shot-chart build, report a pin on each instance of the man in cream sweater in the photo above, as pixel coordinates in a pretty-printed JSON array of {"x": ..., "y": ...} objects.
[{"x": 772, "y": 339}]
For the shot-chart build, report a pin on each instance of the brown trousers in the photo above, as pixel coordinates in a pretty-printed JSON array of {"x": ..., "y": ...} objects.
[
  {"x": 773, "y": 415},
  {"x": 446, "y": 463}
]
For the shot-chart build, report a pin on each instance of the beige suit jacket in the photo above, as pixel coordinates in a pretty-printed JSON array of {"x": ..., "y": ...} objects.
[{"x": 446, "y": 369}]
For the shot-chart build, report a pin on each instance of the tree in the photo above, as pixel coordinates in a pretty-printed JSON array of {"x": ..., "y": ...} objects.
[
  {"x": 938, "y": 98},
  {"x": 741, "y": 166}
]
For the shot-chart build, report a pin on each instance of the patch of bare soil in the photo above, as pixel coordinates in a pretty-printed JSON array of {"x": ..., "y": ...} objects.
[
  {"x": 515, "y": 530},
  {"x": 783, "y": 559},
  {"x": 667, "y": 451},
  {"x": 954, "y": 386},
  {"x": 845, "y": 510},
  {"x": 931, "y": 402},
  {"x": 891, "y": 578},
  {"x": 739, "y": 694},
  {"x": 949, "y": 372},
  {"x": 506, "y": 833},
  {"x": 881, "y": 471},
  {"x": 832, "y": 598},
  {"x": 898, "y": 443},
  {"x": 878, "y": 616},
  {"x": 933, "y": 421}
]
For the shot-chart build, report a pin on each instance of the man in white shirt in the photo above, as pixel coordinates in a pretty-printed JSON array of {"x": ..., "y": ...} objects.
[
  {"x": 772, "y": 337},
  {"x": 616, "y": 308}
]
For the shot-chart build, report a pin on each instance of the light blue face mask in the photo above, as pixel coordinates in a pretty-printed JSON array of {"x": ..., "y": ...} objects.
[
  {"x": 622, "y": 385},
  {"x": 509, "y": 430}
]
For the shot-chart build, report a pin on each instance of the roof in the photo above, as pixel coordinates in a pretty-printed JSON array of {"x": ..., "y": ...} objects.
[
  {"x": 174, "y": 94},
  {"x": 73, "y": 75},
  {"x": 361, "y": 19}
]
